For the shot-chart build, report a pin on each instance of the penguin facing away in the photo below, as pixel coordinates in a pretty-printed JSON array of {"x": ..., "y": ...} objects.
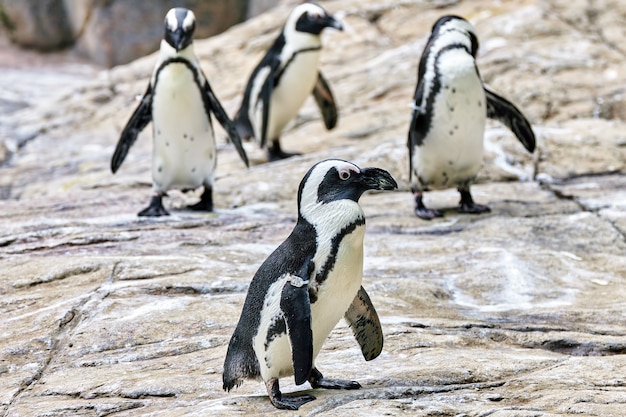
[
  {"x": 307, "y": 284},
  {"x": 285, "y": 77},
  {"x": 179, "y": 102},
  {"x": 451, "y": 105}
]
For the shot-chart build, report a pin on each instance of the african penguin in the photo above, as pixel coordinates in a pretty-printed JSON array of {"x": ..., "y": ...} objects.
[
  {"x": 307, "y": 284},
  {"x": 447, "y": 127},
  {"x": 285, "y": 77},
  {"x": 179, "y": 102}
]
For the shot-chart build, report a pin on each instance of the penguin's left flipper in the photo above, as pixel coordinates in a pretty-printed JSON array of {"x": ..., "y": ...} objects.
[
  {"x": 504, "y": 111},
  {"x": 296, "y": 307},
  {"x": 325, "y": 101},
  {"x": 363, "y": 320},
  {"x": 137, "y": 122},
  {"x": 227, "y": 124}
]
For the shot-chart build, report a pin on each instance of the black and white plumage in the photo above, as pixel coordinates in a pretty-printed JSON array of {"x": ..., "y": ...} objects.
[
  {"x": 307, "y": 284},
  {"x": 179, "y": 102},
  {"x": 451, "y": 105},
  {"x": 285, "y": 77}
]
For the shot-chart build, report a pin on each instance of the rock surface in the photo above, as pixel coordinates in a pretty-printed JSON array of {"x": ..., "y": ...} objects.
[
  {"x": 113, "y": 32},
  {"x": 520, "y": 312}
]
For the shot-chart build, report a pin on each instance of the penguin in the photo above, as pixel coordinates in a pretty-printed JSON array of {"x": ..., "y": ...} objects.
[
  {"x": 285, "y": 77},
  {"x": 450, "y": 107},
  {"x": 307, "y": 284},
  {"x": 179, "y": 102}
]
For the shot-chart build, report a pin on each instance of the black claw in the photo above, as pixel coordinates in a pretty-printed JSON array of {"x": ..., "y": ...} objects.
[
  {"x": 155, "y": 209},
  {"x": 285, "y": 402},
  {"x": 206, "y": 201}
]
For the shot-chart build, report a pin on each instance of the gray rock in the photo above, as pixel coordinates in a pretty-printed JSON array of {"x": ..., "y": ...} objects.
[{"x": 39, "y": 24}]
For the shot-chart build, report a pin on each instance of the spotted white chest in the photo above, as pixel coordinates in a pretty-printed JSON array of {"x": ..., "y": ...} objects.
[
  {"x": 334, "y": 296},
  {"x": 294, "y": 87},
  {"x": 452, "y": 151},
  {"x": 184, "y": 154}
]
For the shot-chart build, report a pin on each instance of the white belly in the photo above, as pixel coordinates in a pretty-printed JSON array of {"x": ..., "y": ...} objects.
[
  {"x": 333, "y": 299},
  {"x": 452, "y": 151},
  {"x": 184, "y": 153},
  {"x": 295, "y": 86}
]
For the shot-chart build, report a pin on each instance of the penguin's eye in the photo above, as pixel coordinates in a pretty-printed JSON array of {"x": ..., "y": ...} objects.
[{"x": 344, "y": 174}]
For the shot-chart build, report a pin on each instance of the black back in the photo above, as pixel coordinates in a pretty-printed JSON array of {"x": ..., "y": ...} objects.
[{"x": 288, "y": 258}]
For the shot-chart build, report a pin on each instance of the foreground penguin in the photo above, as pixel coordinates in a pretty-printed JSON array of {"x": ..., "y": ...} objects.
[
  {"x": 285, "y": 77},
  {"x": 307, "y": 284},
  {"x": 179, "y": 102},
  {"x": 448, "y": 124}
]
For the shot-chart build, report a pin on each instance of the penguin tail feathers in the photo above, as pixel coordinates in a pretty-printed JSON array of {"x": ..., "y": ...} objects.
[
  {"x": 241, "y": 362},
  {"x": 236, "y": 368},
  {"x": 229, "y": 384}
]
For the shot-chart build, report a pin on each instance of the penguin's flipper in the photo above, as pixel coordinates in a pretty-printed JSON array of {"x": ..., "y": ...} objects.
[
  {"x": 137, "y": 122},
  {"x": 417, "y": 128},
  {"x": 296, "y": 307},
  {"x": 363, "y": 320},
  {"x": 265, "y": 98},
  {"x": 325, "y": 101},
  {"x": 504, "y": 111},
  {"x": 227, "y": 124}
]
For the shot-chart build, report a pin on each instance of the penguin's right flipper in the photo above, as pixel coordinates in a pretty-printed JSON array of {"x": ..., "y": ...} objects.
[
  {"x": 227, "y": 124},
  {"x": 363, "y": 320},
  {"x": 325, "y": 101},
  {"x": 418, "y": 126},
  {"x": 296, "y": 307},
  {"x": 265, "y": 99},
  {"x": 504, "y": 111},
  {"x": 137, "y": 122}
]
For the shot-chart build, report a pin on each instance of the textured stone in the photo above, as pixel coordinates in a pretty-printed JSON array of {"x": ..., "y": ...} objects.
[{"x": 519, "y": 312}]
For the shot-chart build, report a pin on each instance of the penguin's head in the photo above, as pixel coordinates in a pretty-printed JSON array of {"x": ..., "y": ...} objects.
[
  {"x": 335, "y": 180},
  {"x": 452, "y": 26},
  {"x": 311, "y": 18},
  {"x": 180, "y": 24}
]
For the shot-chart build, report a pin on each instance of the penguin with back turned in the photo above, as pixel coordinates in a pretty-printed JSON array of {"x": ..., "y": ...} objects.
[
  {"x": 307, "y": 284},
  {"x": 451, "y": 105},
  {"x": 285, "y": 77},
  {"x": 179, "y": 102}
]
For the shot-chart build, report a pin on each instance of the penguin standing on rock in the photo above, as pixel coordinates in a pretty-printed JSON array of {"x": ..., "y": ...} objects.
[
  {"x": 448, "y": 124},
  {"x": 307, "y": 284},
  {"x": 179, "y": 102},
  {"x": 285, "y": 77}
]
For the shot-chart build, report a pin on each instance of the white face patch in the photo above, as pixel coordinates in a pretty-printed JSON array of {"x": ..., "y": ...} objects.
[
  {"x": 310, "y": 8},
  {"x": 309, "y": 192},
  {"x": 189, "y": 20},
  {"x": 171, "y": 22}
]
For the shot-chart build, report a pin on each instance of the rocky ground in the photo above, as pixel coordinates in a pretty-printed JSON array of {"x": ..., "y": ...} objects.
[{"x": 520, "y": 312}]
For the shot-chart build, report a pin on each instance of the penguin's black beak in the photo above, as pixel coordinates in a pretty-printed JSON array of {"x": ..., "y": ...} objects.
[
  {"x": 331, "y": 22},
  {"x": 178, "y": 39},
  {"x": 377, "y": 179}
]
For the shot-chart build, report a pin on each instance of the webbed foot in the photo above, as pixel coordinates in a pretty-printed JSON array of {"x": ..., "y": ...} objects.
[
  {"x": 317, "y": 380},
  {"x": 275, "y": 153},
  {"x": 285, "y": 402},
  {"x": 155, "y": 209},
  {"x": 467, "y": 204},
  {"x": 420, "y": 209},
  {"x": 206, "y": 200}
]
